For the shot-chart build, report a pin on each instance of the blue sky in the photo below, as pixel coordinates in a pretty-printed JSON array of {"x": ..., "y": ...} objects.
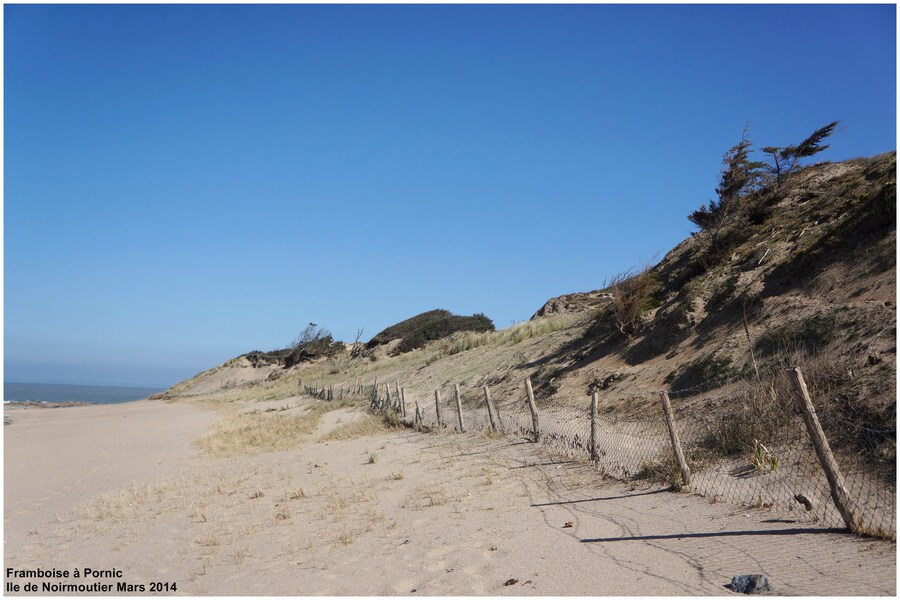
[{"x": 183, "y": 184}]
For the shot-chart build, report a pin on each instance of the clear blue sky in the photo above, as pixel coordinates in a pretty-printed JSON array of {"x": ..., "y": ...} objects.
[{"x": 183, "y": 184}]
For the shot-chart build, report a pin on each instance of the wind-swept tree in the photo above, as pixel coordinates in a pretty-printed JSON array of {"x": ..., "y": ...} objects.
[
  {"x": 786, "y": 159},
  {"x": 739, "y": 176}
]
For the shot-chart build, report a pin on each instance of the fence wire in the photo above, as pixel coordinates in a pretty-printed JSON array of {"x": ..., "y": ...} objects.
[{"x": 742, "y": 447}]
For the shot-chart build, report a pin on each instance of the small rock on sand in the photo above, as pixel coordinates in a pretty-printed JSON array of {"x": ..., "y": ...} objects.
[{"x": 749, "y": 584}]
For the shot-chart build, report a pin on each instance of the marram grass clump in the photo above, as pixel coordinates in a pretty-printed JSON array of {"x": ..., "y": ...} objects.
[
  {"x": 256, "y": 433},
  {"x": 516, "y": 334}
]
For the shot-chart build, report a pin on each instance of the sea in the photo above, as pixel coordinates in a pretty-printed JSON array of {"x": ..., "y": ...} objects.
[{"x": 58, "y": 392}]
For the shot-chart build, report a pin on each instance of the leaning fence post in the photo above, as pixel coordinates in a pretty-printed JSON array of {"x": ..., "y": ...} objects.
[
  {"x": 487, "y": 402},
  {"x": 437, "y": 406},
  {"x": 594, "y": 455},
  {"x": 826, "y": 458},
  {"x": 418, "y": 416},
  {"x": 459, "y": 408},
  {"x": 403, "y": 402},
  {"x": 676, "y": 443},
  {"x": 534, "y": 415}
]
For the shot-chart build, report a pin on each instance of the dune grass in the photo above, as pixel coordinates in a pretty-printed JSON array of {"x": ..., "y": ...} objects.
[
  {"x": 511, "y": 335},
  {"x": 367, "y": 425},
  {"x": 255, "y": 432}
]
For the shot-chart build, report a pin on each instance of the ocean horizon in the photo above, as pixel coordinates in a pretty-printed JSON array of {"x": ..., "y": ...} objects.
[{"x": 16, "y": 391}]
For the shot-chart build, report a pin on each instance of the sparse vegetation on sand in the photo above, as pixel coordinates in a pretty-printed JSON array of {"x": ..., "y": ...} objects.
[
  {"x": 255, "y": 432},
  {"x": 515, "y": 334},
  {"x": 366, "y": 425}
]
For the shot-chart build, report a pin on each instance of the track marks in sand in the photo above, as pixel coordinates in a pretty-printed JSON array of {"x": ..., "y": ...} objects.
[{"x": 440, "y": 514}]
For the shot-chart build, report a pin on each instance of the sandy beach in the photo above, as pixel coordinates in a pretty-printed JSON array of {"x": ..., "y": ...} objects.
[{"x": 151, "y": 491}]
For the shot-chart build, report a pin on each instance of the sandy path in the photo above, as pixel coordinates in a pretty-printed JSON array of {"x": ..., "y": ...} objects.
[{"x": 400, "y": 513}]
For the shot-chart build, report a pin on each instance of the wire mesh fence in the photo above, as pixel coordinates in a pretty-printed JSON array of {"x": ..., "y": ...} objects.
[{"x": 741, "y": 444}]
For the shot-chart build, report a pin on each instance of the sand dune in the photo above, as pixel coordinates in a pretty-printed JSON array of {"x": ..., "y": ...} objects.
[{"x": 356, "y": 509}]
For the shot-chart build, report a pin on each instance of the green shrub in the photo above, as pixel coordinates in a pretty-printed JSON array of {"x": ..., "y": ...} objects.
[
  {"x": 441, "y": 328},
  {"x": 404, "y": 328}
]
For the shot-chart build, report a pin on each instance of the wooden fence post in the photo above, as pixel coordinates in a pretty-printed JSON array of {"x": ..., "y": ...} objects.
[
  {"x": 676, "y": 442},
  {"x": 418, "y": 416},
  {"x": 459, "y": 408},
  {"x": 534, "y": 415},
  {"x": 487, "y": 402},
  {"x": 594, "y": 455},
  {"x": 403, "y": 402},
  {"x": 823, "y": 451},
  {"x": 437, "y": 406},
  {"x": 388, "y": 406}
]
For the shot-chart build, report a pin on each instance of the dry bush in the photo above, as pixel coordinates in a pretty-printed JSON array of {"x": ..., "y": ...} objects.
[
  {"x": 847, "y": 406},
  {"x": 760, "y": 413},
  {"x": 664, "y": 471},
  {"x": 634, "y": 293}
]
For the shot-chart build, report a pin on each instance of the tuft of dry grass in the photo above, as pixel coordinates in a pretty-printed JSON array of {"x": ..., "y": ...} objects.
[
  {"x": 297, "y": 494},
  {"x": 337, "y": 503},
  {"x": 345, "y": 538},
  {"x": 198, "y": 516},
  {"x": 241, "y": 555}
]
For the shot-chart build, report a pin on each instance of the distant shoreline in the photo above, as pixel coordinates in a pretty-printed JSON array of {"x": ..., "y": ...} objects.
[
  {"x": 46, "y": 395},
  {"x": 24, "y": 404},
  {"x": 88, "y": 384}
]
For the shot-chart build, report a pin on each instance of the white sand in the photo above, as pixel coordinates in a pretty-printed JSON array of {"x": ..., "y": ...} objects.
[{"x": 122, "y": 487}]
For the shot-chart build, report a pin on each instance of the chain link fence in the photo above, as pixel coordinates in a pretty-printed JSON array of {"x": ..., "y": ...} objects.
[{"x": 744, "y": 441}]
